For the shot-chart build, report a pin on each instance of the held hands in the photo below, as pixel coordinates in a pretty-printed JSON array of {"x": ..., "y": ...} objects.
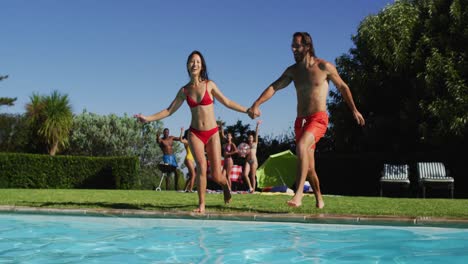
[{"x": 253, "y": 112}]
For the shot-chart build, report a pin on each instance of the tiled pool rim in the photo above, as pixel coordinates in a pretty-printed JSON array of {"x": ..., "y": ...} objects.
[{"x": 293, "y": 218}]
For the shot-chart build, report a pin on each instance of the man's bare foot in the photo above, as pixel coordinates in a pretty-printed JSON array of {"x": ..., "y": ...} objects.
[
  {"x": 295, "y": 202},
  {"x": 200, "y": 210},
  {"x": 227, "y": 195},
  {"x": 320, "y": 204}
]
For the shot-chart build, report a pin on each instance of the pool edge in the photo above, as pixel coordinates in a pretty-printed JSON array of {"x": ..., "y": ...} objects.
[{"x": 296, "y": 218}]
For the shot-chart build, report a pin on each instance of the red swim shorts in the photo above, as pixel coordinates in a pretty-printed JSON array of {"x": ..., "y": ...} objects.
[{"x": 316, "y": 124}]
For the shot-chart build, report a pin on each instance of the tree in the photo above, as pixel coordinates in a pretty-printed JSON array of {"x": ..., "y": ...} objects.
[
  {"x": 50, "y": 118},
  {"x": 239, "y": 131},
  {"x": 14, "y": 133},
  {"x": 6, "y": 100},
  {"x": 408, "y": 72},
  {"x": 111, "y": 135}
]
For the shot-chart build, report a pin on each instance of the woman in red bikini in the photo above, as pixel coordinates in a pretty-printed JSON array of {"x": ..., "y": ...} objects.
[{"x": 199, "y": 93}]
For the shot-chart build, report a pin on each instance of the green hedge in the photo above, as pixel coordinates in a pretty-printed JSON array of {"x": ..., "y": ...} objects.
[{"x": 19, "y": 170}]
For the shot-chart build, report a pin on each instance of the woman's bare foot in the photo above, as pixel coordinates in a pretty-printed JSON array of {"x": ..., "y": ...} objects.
[
  {"x": 200, "y": 210},
  {"x": 227, "y": 194},
  {"x": 295, "y": 201}
]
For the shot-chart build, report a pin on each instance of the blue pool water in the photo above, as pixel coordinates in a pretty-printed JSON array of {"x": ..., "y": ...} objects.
[{"x": 48, "y": 239}]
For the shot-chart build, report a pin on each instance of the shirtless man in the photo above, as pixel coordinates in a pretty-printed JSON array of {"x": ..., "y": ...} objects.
[
  {"x": 165, "y": 143},
  {"x": 310, "y": 76}
]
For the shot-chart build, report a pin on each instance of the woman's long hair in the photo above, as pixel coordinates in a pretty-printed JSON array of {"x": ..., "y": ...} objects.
[{"x": 204, "y": 70}]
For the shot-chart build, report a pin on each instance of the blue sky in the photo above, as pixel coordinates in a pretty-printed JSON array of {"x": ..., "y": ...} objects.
[{"x": 115, "y": 56}]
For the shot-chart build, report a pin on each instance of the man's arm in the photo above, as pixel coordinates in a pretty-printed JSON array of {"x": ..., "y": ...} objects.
[
  {"x": 158, "y": 137},
  {"x": 280, "y": 83},
  {"x": 345, "y": 91},
  {"x": 176, "y": 138}
]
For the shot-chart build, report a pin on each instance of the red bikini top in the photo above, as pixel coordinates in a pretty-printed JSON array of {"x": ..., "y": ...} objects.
[{"x": 206, "y": 100}]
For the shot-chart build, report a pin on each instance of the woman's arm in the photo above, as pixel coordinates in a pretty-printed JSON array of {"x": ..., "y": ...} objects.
[
  {"x": 224, "y": 100},
  {"x": 176, "y": 103},
  {"x": 234, "y": 150},
  {"x": 180, "y": 138},
  {"x": 223, "y": 136},
  {"x": 256, "y": 131}
]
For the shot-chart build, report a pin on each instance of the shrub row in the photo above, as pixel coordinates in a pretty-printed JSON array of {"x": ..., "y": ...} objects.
[{"x": 18, "y": 170}]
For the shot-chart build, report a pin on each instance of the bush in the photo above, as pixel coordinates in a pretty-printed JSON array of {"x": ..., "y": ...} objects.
[{"x": 65, "y": 172}]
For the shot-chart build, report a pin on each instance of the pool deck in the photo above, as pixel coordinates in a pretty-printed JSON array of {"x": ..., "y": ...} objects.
[{"x": 294, "y": 218}]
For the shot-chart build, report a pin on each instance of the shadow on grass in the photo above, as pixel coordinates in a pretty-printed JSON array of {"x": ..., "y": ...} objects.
[
  {"x": 231, "y": 209},
  {"x": 128, "y": 206},
  {"x": 146, "y": 206}
]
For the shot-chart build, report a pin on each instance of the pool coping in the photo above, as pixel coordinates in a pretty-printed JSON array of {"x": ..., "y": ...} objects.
[{"x": 261, "y": 217}]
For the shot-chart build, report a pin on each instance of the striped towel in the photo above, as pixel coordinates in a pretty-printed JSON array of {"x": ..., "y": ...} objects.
[{"x": 235, "y": 175}]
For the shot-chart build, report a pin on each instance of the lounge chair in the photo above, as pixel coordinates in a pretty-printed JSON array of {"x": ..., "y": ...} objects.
[
  {"x": 434, "y": 174},
  {"x": 394, "y": 174}
]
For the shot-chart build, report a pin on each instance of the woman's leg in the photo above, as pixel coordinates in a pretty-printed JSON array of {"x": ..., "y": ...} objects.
[
  {"x": 228, "y": 163},
  {"x": 253, "y": 174},
  {"x": 187, "y": 181},
  {"x": 246, "y": 173},
  {"x": 191, "y": 172},
  {"x": 192, "y": 177},
  {"x": 198, "y": 151},
  {"x": 213, "y": 150}
]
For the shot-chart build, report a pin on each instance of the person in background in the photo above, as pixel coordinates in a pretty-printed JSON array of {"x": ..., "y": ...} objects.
[
  {"x": 251, "y": 164},
  {"x": 166, "y": 143},
  {"x": 229, "y": 150},
  {"x": 189, "y": 161}
]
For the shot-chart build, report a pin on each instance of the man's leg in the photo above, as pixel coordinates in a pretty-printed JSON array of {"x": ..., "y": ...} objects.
[
  {"x": 167, "y": 180},
  {"x": 302, "y": 151},
  {"x": 176, "y": 180},
  {"x": 314, "y": 180}
]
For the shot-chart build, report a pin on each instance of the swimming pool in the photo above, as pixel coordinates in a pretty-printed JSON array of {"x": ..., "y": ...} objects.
[{"x": 31, "y": 238}]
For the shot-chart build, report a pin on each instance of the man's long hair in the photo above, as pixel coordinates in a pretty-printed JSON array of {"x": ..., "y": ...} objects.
[
  {"x": 204, "y": 70},
  {"x": 306, "y": 41}
]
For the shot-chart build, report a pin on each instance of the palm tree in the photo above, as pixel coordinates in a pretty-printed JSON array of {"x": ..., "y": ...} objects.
[{"x": 51, "y": 118}]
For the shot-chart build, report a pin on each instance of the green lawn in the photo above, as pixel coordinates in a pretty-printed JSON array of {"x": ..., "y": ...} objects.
[{"x": 171, "y": 201}]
